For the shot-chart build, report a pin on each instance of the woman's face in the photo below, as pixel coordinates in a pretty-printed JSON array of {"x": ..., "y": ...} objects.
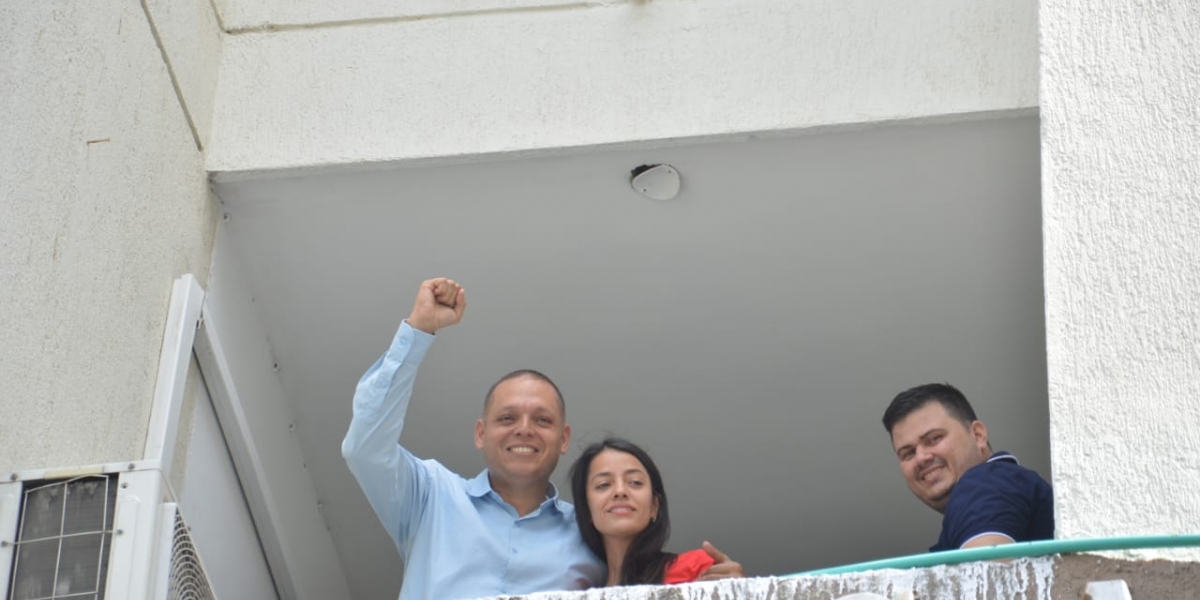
[{"x": 619, "y": 494}]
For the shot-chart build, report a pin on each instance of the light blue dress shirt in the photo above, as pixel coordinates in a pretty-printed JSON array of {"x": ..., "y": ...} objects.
[{"x": 458, "y": 538}]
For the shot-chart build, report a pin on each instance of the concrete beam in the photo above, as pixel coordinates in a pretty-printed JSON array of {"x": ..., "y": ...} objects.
[{"x": 441, "y": 89}]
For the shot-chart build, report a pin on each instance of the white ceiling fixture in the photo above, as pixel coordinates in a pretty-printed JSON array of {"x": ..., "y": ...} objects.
[{"x": 658, "y": 182}]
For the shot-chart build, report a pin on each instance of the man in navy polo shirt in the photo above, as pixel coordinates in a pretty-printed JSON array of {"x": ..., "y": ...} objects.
[{"x": 985, "y": 497}]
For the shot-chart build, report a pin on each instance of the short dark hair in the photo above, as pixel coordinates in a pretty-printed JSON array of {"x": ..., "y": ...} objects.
[
  {"x": 538, "y": 375},
  {"x": 910, "y": 400},
  {"x": 645, "y": 562}
]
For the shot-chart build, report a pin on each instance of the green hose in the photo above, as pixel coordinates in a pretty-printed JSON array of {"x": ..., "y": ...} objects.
[{"x": 1018, "y": 550}]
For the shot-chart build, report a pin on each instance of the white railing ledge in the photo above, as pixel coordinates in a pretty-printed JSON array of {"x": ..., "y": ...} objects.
[{"x": 1025, "y": 578}]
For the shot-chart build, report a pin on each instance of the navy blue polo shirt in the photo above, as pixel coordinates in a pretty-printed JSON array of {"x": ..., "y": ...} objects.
[{"x": 998, "y": 496}]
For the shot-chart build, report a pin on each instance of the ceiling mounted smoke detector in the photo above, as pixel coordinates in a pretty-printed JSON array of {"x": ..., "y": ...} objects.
[{"x": 659, "y": 182}]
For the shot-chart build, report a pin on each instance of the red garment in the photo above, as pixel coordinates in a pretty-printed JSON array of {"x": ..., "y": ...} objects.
[{"x": 688, "y": 566}]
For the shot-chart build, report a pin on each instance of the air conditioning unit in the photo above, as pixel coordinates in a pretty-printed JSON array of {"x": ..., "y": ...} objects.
[{"x": 95, "y": 533}]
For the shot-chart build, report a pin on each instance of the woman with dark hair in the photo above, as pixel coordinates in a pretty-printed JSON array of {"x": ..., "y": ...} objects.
[{"x": 621, "y": 509}]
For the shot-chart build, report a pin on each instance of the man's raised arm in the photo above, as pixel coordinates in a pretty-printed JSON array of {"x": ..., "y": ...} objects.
[{"x": 393, "y": 480}]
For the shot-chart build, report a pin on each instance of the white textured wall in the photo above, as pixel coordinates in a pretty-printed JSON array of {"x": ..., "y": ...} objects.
[
  {"x": 606, "y": 73},
  {"x": 308, "y": 552},
  {"x": 211, "y": 499},
  {"x": 1121, "y": 201},
  {"x": 103, "y": 203}
]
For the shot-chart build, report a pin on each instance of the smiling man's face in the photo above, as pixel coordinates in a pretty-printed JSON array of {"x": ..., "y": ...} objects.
[
  {"x": 935, "y": 449},
  {"x": 523, "y": 432}
]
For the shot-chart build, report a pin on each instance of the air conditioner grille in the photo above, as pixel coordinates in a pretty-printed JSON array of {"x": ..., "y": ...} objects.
[
  {"x": 187, "y": 580},
  {"x": 63, "y": 539}
]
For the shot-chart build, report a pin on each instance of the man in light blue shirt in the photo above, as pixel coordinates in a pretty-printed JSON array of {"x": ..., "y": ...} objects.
[{"x": 503, "y": 532}]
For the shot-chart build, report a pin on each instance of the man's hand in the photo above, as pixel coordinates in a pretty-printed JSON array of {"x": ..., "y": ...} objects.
[
  {"x": 440, "y": 303},
  {"x": 723, "y": 568}
]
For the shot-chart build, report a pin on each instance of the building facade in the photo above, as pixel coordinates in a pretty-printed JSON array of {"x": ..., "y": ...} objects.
[{"x": 132, "y": 125}]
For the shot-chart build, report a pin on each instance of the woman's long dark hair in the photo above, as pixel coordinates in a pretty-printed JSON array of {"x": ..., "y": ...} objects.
[{"x": 645, "y": 562}]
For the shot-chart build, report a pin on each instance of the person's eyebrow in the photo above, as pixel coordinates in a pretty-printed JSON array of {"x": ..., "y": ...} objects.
[
  {"x": 627, "y": 472},
  {"x": 932, "y": 431},
  {"x": 922, "y": 438}
]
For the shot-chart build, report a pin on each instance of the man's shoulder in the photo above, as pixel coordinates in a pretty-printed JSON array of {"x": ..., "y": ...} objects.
[
  {"x": 999, "y": 496},
  {"x": 441, "y": 476},
  {"x": 1001, "y": 474}
]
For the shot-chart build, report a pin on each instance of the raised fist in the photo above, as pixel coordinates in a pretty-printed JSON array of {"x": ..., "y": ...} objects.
[{"x": 440, "y": 303}]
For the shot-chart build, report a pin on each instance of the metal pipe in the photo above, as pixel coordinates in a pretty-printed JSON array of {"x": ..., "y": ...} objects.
[{"x": 1018, "y": 550}]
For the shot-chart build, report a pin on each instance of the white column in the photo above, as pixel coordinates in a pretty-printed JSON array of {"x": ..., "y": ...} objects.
[{"x": 1120, "y": 97}]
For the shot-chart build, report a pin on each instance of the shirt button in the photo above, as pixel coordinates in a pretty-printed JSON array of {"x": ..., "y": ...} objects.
[{"x": 514, "y": 550}]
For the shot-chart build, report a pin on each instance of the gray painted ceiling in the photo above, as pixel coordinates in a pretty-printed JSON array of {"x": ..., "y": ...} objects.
[{"x": 748, "y": 333}]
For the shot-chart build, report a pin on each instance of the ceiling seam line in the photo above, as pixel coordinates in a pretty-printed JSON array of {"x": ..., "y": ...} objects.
[
  {"x": 217, "y": 15},
  {"x": 162, "y": 50},
  {"x": 277, "y": 27}
]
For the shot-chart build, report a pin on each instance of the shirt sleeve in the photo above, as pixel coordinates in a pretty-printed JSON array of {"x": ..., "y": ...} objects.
[
  {"x": 688, "y": 566},
  {"x": 395, "y": 482},
  {"x": 987, "y": 502}
]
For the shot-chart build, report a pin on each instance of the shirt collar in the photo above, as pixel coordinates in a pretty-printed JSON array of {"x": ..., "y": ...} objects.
[
  {"x": 481, "y": 486},
  {"x": 1002, "y": 455}
]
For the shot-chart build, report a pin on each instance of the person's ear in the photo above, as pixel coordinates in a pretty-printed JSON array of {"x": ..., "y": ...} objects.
[
  {"x": 654, "y": 509},
  {"x": 479, "y": 434},
  {"x": 566, "y": 443},
  {"x": 980, "y": 433}
]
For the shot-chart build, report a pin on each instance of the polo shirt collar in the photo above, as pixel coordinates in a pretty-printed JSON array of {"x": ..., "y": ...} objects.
[
  {"x": 481, "y": 486},
  {"x": 1005, "y": 456}
]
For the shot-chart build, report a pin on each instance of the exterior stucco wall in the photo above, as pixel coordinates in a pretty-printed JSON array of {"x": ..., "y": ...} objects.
[
  {"x": 609, "y": 73},
  {"x": 104, "y": 202},
  {"x": 1121, "y": 204}
]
